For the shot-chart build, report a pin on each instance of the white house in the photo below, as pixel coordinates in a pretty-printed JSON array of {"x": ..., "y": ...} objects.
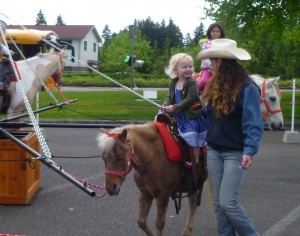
[{"x": 84, "y": 38}]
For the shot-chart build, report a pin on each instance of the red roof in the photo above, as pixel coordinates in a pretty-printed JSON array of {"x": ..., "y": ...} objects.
[{"x": 64, "y": 31}]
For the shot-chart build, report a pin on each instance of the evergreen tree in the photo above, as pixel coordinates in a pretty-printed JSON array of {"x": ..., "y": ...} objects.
[
  {"x": 40, "y": 19},
  {"x": 174, "y": 35},
  {"x": 106, "y": 35},
  {"x": 199, "y": 33},
  {"x": 187, "y": 40},
  {"x": 59, "y": 20},
  {"x": 149, "y": 30}
]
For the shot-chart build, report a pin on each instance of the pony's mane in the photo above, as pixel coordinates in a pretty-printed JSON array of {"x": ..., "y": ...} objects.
[
  {"x": 146, "y": 130},
  {"x": 105, "y": 142}
]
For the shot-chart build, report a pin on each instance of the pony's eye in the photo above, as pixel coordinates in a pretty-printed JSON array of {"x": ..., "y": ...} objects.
[{"x": 273, "y": 99}]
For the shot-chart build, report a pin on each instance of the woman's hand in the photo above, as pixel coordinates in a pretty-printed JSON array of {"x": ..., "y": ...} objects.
[
  {"x": 168, "y": 109},
  {"x": 247, "y": 162}
]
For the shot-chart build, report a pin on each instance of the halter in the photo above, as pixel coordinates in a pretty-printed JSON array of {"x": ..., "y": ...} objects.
[
  {"x": 131, "y": 162},
  {"x": 263, "y": 100}
]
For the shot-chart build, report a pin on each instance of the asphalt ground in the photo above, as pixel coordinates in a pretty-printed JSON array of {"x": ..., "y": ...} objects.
[{"x": 270, "y": 194}]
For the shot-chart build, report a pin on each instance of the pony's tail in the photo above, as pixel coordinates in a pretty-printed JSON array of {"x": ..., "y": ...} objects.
[{"x": 208, "y": 196}]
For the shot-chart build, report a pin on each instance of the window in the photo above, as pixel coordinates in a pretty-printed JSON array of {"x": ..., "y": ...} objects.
[
  {"x": 85, "y": 45},
  {"x": 94, "y": 47}
]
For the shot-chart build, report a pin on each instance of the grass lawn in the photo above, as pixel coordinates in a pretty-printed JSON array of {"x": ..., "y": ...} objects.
[
  {"x": 104, "y": 105},
  {"x": 123, "y": 105}
]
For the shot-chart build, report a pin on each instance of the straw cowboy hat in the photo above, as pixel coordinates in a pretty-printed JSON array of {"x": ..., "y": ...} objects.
[{"x": 224, "y": 48}]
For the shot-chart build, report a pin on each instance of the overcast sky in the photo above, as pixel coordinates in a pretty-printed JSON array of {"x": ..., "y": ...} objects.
[{"x": 117, "y": 14}]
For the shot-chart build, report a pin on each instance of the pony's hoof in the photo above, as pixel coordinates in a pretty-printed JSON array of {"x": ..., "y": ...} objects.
[{"x": 187, "y": 231}]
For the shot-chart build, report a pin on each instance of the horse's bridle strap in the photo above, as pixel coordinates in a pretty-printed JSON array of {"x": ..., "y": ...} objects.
[
  {"x": 122, "y": 174},
  {"x": 131, "y": 163},
  {"x": 263, "y": 100}
]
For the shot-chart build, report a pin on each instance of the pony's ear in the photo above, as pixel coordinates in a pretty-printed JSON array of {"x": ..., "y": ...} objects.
[
  {"x": 275, "y": 79},
  {"x": 102, "y": 130},
  {"x": 123, "y": 135}
]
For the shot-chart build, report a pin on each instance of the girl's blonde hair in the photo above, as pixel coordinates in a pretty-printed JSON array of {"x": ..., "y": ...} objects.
[{"x": 170, "y": 70}]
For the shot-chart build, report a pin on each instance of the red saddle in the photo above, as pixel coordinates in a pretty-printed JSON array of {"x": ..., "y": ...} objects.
[{"x": 171, "y": 146}]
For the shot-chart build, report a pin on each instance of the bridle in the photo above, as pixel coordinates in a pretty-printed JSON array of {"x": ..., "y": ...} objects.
[
  {"x": 263, "y": 101},
  {"x": 132, "y": 162}
]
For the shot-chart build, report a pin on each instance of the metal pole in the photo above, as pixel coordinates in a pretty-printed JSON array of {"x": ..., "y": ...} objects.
[
  {"x": 50, "y": 164},
  {"x": 17, "y": 125},
  {"x": 132, "y": 36},
  {"x": 293, "y": 105},
  {"x": 37, "y": 105},
  {"x": 132, "y": 55},
  {"x": 38, "y": 110}
]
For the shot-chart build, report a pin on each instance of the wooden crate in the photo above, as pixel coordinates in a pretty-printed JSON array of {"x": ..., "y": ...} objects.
[{"x": 19, "y": 182}]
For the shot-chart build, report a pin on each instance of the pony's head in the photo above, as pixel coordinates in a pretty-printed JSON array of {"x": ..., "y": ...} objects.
[
  {"x": 270, "y": 101},
  {"x": 115, "y": 151}
]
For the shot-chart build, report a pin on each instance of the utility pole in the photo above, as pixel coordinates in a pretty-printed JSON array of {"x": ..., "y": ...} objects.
[{"x": 132, "y": 36}]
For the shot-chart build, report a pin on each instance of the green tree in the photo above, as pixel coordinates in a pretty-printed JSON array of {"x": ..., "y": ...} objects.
[
  {"x": 187, "y": 40},
  {"x": 199, "y": 33},
  {"x": 174, "y": 34},
  {"x": 40, "y": 19},
  {"x": 106, "y": 35},
  {"x": 269, "y": 29},
  {"x": 59, "y": 20},
  {"x": 119, "y": 47},
  {"x": 158, "y": 34}
]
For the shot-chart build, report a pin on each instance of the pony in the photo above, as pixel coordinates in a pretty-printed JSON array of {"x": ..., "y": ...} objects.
[
  {"x": 270, "y": 101},
  {"x": 31, "y": 71},
  {"x": 140, "y": 147}
]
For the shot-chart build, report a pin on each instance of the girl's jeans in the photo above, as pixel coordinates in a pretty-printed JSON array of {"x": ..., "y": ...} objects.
[{"x": 226, "y": 179}]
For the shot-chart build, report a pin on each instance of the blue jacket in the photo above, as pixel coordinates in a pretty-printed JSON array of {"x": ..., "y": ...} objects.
[{"x": 242, "y": 129}]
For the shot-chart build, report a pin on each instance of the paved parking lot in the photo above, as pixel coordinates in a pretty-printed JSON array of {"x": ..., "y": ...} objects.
[{"x": 270, "y": 194}]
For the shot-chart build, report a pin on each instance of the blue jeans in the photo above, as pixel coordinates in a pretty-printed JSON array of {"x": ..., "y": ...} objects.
[{"x": 226, "y": 179}]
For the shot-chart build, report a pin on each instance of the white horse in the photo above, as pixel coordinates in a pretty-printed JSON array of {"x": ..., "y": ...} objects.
[
  {"x": 270, "y": 101},
  {"x": 31, "y": 71}
]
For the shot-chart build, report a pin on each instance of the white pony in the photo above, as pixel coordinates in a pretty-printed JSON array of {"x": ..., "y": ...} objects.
[
  {"x": 270, "y": 101},
  {"x": 31, "y": 71}
]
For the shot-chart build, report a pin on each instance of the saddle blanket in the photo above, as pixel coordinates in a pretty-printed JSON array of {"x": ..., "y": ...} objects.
[{"x": 171, "y": 146}]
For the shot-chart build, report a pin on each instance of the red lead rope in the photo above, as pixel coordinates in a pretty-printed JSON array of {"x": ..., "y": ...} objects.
[{"x": 92, "y": 185}]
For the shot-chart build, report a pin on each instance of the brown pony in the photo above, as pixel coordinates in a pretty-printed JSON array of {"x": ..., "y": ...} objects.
[{"x": 140, "y": 147}]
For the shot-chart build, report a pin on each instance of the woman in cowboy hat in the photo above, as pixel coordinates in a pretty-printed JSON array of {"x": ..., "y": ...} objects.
[{"x": 235, "y": 128}]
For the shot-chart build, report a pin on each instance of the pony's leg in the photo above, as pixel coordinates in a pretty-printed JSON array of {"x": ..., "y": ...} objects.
[
  {"x": 145, "y": 203},
  {"x": 190, "y": 220},
  {"x": 162, "y": 204}
]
